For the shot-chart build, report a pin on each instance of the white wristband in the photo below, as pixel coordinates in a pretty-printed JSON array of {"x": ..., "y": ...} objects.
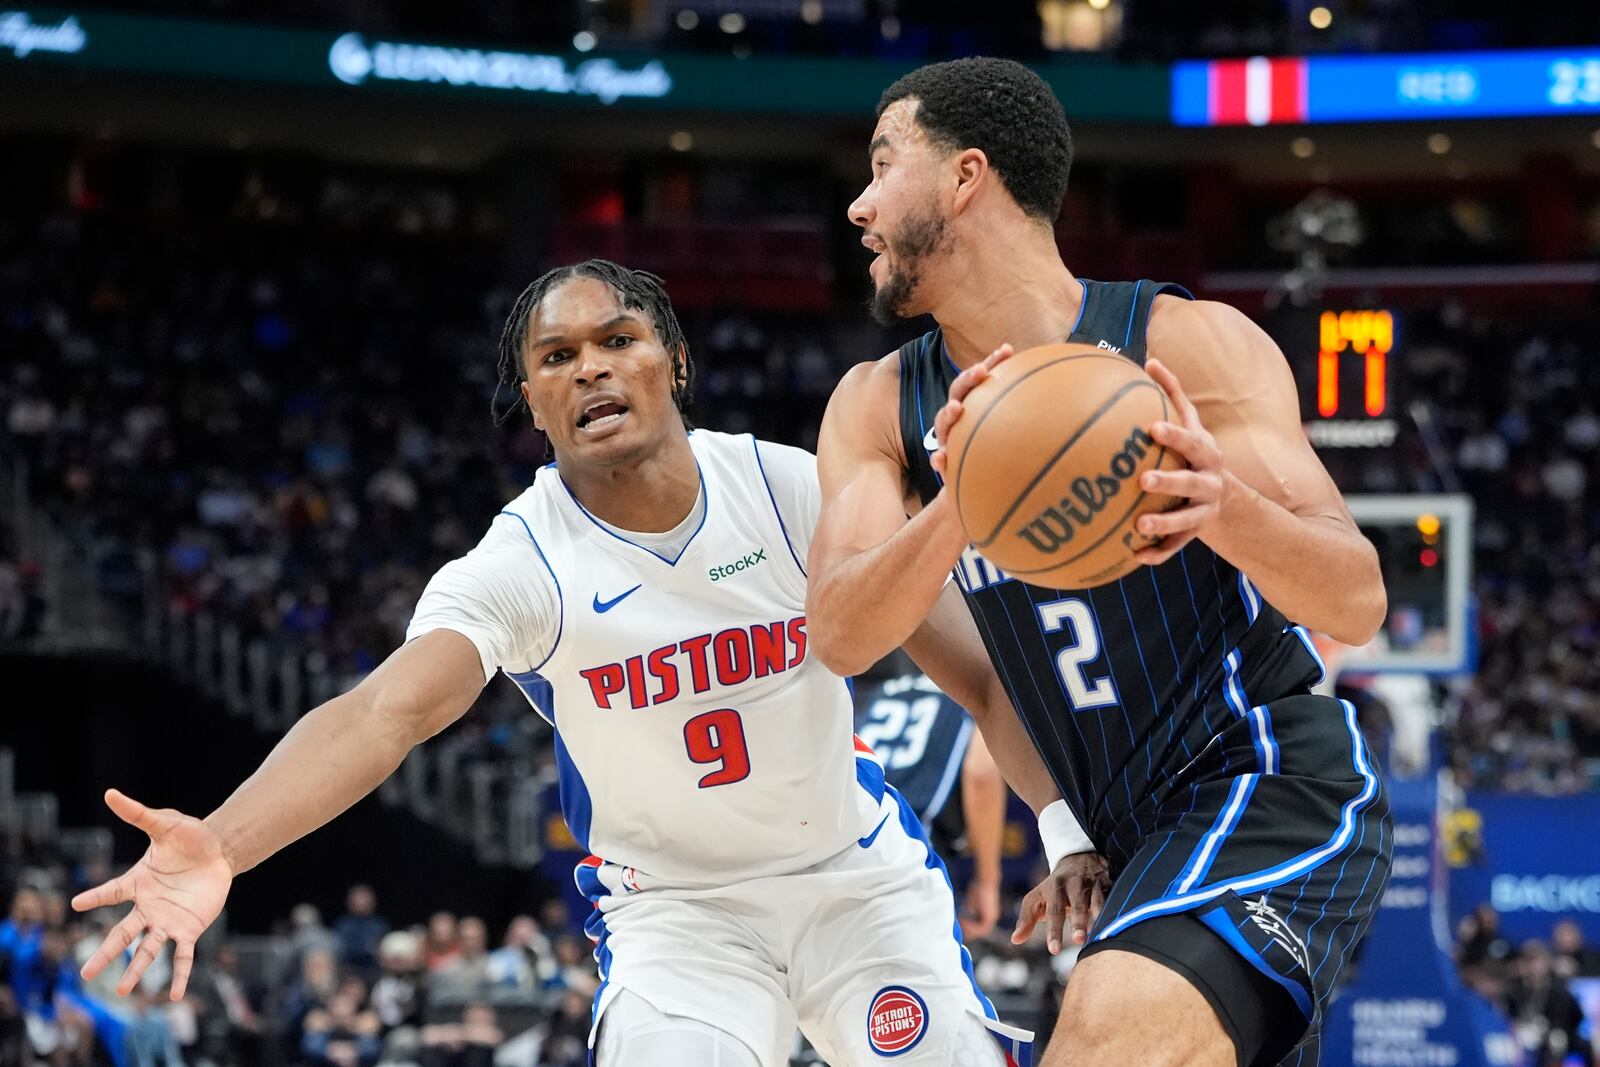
[{"x": 1061, "y": 834}]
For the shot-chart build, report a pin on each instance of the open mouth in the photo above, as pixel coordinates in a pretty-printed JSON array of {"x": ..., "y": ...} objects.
[{"x": 602, "y": 414}]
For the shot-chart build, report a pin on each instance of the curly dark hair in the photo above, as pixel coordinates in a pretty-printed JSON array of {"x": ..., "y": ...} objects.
[
  {"x": 1004, "y": 109},
  {"x": 638, "y": 290}
]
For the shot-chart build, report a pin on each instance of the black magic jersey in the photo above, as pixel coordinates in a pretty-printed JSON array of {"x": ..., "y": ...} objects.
[{"x": 1125, "y": 687}]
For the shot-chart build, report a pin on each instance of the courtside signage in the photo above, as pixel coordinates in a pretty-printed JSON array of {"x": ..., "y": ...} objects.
[
  {"x": 348, "y": 63},
  {"x": 353, "y": 62},
  {"x": 22, "y": 37}
]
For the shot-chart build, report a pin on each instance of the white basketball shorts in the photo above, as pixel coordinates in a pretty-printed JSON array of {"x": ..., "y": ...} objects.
[{"x": 861, "y": 951}]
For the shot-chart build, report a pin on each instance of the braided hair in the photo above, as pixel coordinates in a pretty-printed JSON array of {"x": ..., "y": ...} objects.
[{"x": 638, "y": 290}]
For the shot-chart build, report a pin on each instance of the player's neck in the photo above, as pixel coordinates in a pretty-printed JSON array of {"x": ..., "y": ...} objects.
[
  {"x": 1017, "y": 293},
  {"x": 652, "y": 495}
]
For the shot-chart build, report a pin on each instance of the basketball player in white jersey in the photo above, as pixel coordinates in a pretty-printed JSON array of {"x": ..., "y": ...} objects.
[{"x": 750, "y": 869}]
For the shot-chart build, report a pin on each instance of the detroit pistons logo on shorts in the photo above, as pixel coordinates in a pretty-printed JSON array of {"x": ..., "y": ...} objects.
[{"x": 896, "y": 1021}]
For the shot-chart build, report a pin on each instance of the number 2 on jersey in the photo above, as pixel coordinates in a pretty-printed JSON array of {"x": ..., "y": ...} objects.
[
  {"x": 1077, "y": 619},
  {"x": 718, "y": 737}
]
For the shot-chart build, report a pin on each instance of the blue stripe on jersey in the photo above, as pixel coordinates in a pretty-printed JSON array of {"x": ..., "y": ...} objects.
[
  {"x": 756, "y": 447},
  {"x": 1199, "y": 864},
  {"x": 1311, "y": 647},
  {"x": 576, "y": 807},
  {"x": 539, "y": 693},
  {"x": 1283, "y": 872},
  {"x": 1133, "y": 315},
  {"x": 870, "y": 774},
  {"x": 1251, "y": 598},
  {"x": 914, "y": 830},
  {"x": 947, "y": 782},
  {"x": 561, "y": 604},
  {"x": 1218, "y": 920},
  {"x": 1083, "y": 302},
  {"x": 587, "y": 875},
  {"x": 673, "y": 562},
  {"x": 1267, "y": 758}
]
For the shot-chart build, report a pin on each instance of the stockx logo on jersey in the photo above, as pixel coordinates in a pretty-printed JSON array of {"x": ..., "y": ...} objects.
[{"x": 728, "y": 570}]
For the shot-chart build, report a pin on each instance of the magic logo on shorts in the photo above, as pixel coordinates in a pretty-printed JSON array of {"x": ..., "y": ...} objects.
[{"x": 896, "y": 1021}]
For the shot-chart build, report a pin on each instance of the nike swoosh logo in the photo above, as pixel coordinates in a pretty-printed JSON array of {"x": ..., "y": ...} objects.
[
  {"x": 866, "y": 842},
  {"x": 603, "y": 606},
  {"x": 931, "y": 442}
]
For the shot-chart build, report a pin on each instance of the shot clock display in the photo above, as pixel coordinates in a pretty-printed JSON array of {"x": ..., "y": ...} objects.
[{"x": 1344, "y": 365}]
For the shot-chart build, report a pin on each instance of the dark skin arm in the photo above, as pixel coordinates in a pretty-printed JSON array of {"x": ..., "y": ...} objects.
[{"x": 880, "y": 579}]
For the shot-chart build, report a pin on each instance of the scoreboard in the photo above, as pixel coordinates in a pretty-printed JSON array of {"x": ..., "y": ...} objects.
[{"x": 1344, "y": 361}]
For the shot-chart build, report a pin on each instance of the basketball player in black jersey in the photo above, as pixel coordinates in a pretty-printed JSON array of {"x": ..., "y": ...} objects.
[{"x": 1242, "y": 819}]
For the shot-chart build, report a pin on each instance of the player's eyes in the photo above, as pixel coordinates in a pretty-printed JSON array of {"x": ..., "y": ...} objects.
[
  {"x": 560, "y": 355},
  {"x": 620, "y": 340}
]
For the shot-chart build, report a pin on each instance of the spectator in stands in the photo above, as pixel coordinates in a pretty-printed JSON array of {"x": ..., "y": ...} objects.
[
  {"x": 568, "y": 1043},
  {"x": 526, "y": 960},
  {"x": 466, "y": 976},
  {"x": 57, "y": 1032},
  {"x": 309, "y": 935},
  {"x": 312, "y": 991},
  {"x": 149, "y": 1038},
  {"x": 1478, "y": 938},
  {"x": 1573, "y": 957},
  {"x": 443, "y": 944},
  {"x": 359, "y": 930},
  {"x": 231, "y": 1024},
  {"x": 397, "y": 995},
  {"x": 345, "y": 1033},
  {"x": 576, "y": 971},
  {"x": 1547, "y": 1016},
  {"x": 469, "y": 1043}
]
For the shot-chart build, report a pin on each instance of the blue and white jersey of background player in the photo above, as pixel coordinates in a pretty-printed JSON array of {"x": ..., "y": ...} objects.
[
  {"x": 697, "y": 741},
  {"x": 920, "y": 736}
]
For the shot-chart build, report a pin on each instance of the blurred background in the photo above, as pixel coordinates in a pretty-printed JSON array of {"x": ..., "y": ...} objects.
[{"x": 254, "y": 260}]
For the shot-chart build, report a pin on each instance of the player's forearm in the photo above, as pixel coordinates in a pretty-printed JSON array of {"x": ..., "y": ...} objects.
[
  {"x": 983, "y": 793},
  {"x": 1318, "y": 572},
  {"x": 1013, "y": 751},
  {"x": 861, "y": 606},
  {"x": 334, "y": 756}
]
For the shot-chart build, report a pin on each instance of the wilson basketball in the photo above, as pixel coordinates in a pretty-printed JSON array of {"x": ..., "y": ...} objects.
[{"x": 1045, "y": 464}]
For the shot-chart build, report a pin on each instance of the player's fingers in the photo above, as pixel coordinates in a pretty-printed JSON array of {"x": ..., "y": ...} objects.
[
  {"x": 1178, "y": 521},
  {"x": 134, "y": 813},
  {"x": 116, "y": 891},
  {"x": 1163, "y": 550},
  {"x": 1097, "y": 900},
  {"x": 1056, "y": 908},
  {"x": 1170, "y": 385},
  {"x": 936, "y": 460},
  {"x": 143, "y": 957},
  {"x": 1197, "y": 447},
  {"x": 1078, "y": 896},
  {"x": 947, "y": 417},
  {"x": 1028, "y": 913},
  {"x": 1187, "y": 484},
  {"x": 997, "y": 357},
  {"x": 182, "y": 964},
  {"x": 114, "y": 944},
  {"x": 968, "y": 380}
]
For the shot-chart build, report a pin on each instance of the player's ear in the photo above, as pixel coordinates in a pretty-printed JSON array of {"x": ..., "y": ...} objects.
[
  {"x": 971, "y": 172},
  {"x": 680, "y": 369},
  {"x": 527, "y": 398}
]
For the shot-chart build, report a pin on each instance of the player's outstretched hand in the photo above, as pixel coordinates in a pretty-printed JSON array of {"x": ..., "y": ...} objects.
[
  {"x": 1200, "y": 487},
  {"x": 965, "y": 382},
  {"x": 177, "y": 889},
  {"x": 1076, "y": 888}
]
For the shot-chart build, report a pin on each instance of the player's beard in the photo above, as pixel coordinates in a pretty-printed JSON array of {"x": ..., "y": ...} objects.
[{"x": 924, "y": 236}]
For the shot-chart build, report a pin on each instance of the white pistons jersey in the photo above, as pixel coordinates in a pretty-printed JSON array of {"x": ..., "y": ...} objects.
[{"x": 697, "y": 739}]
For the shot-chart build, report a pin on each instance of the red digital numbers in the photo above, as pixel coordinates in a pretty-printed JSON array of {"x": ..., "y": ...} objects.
[{"x": 718, "y": 737}]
